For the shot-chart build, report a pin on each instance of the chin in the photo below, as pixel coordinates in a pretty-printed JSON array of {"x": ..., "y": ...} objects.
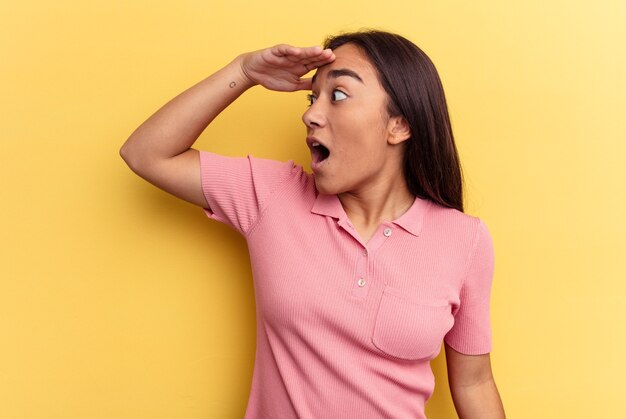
[{"x": 323, "y": 189}]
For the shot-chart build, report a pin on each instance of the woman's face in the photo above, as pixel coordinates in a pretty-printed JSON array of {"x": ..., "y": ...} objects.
[{"x": 348, "y": 118}]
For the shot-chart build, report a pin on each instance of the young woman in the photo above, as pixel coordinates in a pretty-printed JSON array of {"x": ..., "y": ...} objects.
[{"x": 362, "y": 268}]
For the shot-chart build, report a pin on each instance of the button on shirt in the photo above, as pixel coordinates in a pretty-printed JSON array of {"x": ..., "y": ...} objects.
[{"x": 347, "y": 328}]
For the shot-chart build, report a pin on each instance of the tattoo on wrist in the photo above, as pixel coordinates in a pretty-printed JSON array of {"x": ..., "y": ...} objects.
[{"x": 232, "y": 84}]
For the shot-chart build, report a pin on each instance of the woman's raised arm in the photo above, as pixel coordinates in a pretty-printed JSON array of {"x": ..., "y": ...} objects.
[{"x": 159, "y": 150}]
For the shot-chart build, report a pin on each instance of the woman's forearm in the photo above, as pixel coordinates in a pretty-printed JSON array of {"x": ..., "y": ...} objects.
[
  {"x": 480, "y": 401},
  {"x": 177, "y": 125},
  {"x": 174, "y": 128}
]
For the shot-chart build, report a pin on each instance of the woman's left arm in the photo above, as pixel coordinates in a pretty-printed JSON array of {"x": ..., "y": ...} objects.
[{"x": 472, "y": 386}]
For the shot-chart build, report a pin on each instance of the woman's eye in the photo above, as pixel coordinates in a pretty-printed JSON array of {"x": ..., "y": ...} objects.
[
  {"x": 339, "y": 95},
  {"x": 336, "y": 96}
]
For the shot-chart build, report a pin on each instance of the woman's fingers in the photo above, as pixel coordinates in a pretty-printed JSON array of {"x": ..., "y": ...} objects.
[
  {"x": 326, "y": 56},
  {"x": 315, "y": 55},
  {"x": 285, "y": 50},
  {"x": 324, "y": 59},
  {"x": 304, "y": 84},
  {"x": 282, "y": 66},
  {"x": 316, "y": 62}
]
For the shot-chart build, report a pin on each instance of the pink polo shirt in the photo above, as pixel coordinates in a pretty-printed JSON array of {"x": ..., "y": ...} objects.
[{"x": 347, "y": 328}]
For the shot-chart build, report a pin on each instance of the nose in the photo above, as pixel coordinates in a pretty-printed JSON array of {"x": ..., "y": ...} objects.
[{"x": 314, "y": 116}]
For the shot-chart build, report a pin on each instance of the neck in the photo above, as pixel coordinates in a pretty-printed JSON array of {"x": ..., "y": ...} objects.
[{"x": 377, "y": 202}]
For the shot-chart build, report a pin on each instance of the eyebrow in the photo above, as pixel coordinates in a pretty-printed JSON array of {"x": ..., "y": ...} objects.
[{"x": 340, "y": 72}]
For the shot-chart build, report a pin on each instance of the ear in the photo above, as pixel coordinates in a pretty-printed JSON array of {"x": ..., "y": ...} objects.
[{"x": 398, "y": 129}]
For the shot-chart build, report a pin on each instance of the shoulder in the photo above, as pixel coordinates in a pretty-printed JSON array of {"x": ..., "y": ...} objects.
[
  {"x": 287, "y": 166},
  {"x": 280, "y": 180},
  {"x": 261, "y": 168},
  {"x": 442, "y": 218},
  {"x": 460, "y": 231},
  {"x": 286, "y": 172}
]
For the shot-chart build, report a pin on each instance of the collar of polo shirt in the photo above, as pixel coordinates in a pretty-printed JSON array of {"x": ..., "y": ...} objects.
[{"x": 411, "y": 220}]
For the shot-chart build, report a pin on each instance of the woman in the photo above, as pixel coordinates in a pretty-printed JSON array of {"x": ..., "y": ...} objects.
[{"x": 362, "y": 268}]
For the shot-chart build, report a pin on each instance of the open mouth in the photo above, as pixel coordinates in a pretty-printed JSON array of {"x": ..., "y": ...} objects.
[{"x": 319, "y": 153}]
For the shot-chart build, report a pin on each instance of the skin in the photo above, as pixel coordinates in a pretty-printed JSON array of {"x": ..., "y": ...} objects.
[
  {"x": 348, "y": 115},
  {"x": 472, "y": 385},
  {"x": 364, "y": 168}
]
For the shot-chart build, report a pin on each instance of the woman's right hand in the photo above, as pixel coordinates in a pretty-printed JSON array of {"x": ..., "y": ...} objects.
[
  {"x": 159, "y": 150},
  {"x": 281, "y": 67}
]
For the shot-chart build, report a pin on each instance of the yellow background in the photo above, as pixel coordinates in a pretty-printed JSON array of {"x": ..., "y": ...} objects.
[{"x": 118, "y": 300}]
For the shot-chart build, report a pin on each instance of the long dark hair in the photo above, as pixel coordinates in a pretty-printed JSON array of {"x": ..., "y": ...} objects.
[{"x": 431, "y": 163}]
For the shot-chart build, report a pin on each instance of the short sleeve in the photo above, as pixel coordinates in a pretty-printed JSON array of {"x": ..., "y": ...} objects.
[
  {"x": 237, "y": 189},
  {"x": 471, "y": 332}
]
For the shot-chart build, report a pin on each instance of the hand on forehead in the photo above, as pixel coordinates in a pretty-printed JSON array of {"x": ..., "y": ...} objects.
[{"x": 349, "y": 61}]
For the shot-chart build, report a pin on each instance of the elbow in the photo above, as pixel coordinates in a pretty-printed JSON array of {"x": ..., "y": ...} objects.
[
  {"x": 129, "y": 157},
  {"x": 125, "y": 154},
  {"x": 138, "y": 159}
]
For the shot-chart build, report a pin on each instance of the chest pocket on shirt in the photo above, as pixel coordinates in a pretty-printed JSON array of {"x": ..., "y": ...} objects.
[{"x": 410, "y": 326}]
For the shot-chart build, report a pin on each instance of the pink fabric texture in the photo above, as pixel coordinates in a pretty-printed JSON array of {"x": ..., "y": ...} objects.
[{"x": 347, "y": 329}]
